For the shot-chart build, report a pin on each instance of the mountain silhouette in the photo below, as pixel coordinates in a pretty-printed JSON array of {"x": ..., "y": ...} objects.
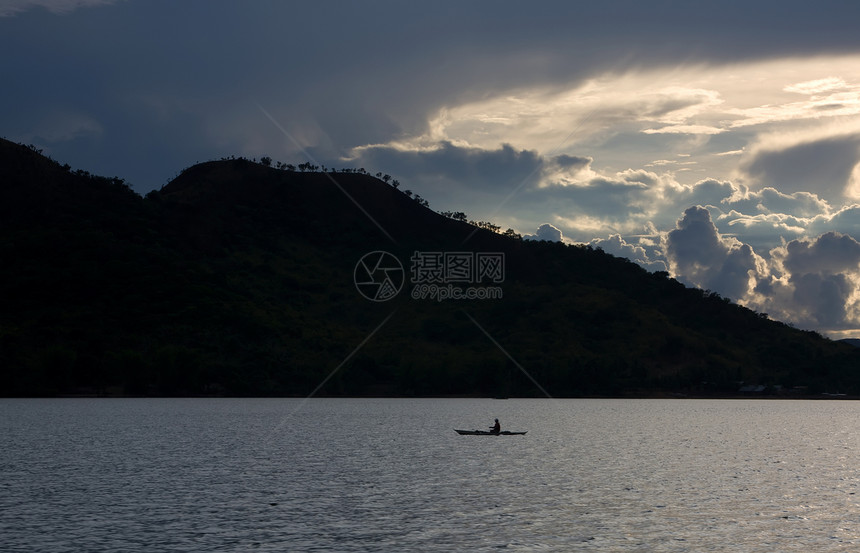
[{"x": 237, "y": 278}]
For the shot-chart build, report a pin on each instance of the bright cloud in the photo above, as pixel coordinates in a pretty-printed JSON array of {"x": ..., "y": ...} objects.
[
  {"x": 817, "y": 86},
  {"x": 694, "y": 100},
  {"x": 546, "y": 232}
]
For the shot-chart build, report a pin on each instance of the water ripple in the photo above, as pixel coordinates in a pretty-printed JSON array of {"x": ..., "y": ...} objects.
[{"x": 383, "y": 475}]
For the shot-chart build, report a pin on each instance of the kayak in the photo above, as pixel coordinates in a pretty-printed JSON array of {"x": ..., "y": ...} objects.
[{"x": 488, "y": 433}]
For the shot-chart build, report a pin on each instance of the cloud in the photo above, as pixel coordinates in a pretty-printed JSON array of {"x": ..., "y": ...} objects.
[
  {"x": 830, "y": 253},
  {"x": 553, "y": 117},
  {"x": 762, "y": 231},
  {"x": 572, "y": 163},
  {"x": 684, "y": 129},
  {"x": 822, "y": 300},
  {"x": 609, "y": 198},
  {"x": 810, "y": 282},
  {"x": 616, "y": 245},
  {"x": 730, "y": 153},
  {"x": 714, "y": 245},
  {"x": 844, "y": 221},
  {"x": 545, "y": 232},
  {"x": 499, "y": 169},
  {"x": 626, "y": 114},
  {"x": 699, "y": 255},
  {"x": 817, "y": 86},
  {"x": 822, "y": 164},
  {"x": 815, "y": 282},
  {"x": 770, "y": 200}
]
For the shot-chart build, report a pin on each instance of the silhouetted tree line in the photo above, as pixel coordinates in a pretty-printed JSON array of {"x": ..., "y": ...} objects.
[
  {"x": 309, "y": 167},
  {"x": 460, "y": 216},
  {"x": 117, "y": 181}
]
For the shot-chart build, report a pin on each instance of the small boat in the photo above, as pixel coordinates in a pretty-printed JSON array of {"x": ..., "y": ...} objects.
[{"x": 488, "y": 433}]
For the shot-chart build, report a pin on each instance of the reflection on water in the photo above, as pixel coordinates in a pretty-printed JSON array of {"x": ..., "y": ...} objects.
[{"x": 382, "y": 475}]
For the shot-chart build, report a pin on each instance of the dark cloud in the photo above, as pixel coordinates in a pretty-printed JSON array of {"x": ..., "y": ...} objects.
[
  {"x": 830, "y": 253},
  {"x": 697, "y": 254},
  {"x": 822, "y": 298},
  {"x": 844, "y": 221},
  {"x": 736, "y": 274},
  {"x": 695, "y": 243},
  {"x": 824, "y": 165},
  {"x": 822, "y": 280},
  {"x": 572, "y": 163},
  {"x": 501, "y": 170}
]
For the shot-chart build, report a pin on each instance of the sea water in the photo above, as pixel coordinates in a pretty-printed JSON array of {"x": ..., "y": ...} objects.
[{"x": 392, "y": 475}]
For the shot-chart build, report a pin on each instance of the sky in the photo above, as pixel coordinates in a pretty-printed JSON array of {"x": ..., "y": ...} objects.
[{"x": 718, "y": 141}]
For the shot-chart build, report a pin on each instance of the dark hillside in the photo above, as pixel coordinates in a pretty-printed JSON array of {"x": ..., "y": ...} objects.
[{"x": 238, "y": 279}]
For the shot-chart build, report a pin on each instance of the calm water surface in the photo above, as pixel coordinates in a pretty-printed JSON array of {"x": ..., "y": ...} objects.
[{"x": 391, "y": 475}]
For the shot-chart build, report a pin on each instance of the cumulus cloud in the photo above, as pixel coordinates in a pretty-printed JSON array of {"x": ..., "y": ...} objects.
[
  {"x": 830, "y": 253},
  {"x": 545, "y": 232},
  {"x": 815, "y": 283},
  {"x": 699, "y": 255},
  {"x": 616, "y": 245}
]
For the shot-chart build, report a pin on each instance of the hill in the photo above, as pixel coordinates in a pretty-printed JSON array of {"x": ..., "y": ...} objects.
[{"x": 240, "y": 279}]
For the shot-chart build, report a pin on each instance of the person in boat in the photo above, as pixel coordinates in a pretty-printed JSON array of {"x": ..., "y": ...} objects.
[{"x": 496, "y": 428}]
